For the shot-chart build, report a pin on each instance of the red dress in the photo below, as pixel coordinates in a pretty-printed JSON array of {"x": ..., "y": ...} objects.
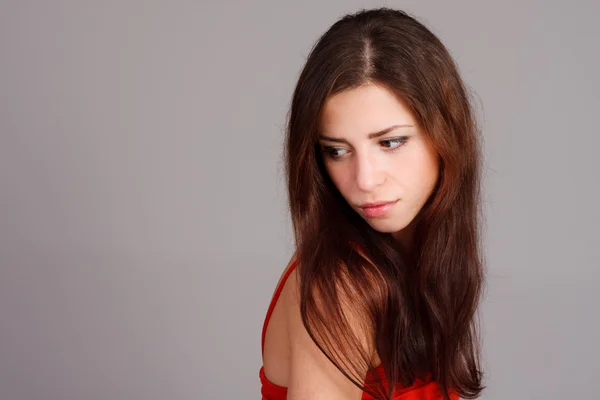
[{"x": 419, "y": 390}]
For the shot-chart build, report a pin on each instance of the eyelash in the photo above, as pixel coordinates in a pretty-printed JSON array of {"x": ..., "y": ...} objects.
[{"x": 329, "y": 151}]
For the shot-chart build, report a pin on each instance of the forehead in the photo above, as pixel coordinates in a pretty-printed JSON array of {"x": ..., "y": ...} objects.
[{"x": 362, "y": 110}]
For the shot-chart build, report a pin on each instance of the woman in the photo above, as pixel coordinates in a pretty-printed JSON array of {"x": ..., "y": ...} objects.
[{"x": 383, "y": 172}]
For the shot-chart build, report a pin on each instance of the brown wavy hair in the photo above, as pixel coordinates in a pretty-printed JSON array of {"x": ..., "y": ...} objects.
[{"x": 419, "y": 305}]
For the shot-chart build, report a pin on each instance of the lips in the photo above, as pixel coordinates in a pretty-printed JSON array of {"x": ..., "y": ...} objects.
[
  {"x": 376, "y": 204},
  {"x": 377, "y": 209}
]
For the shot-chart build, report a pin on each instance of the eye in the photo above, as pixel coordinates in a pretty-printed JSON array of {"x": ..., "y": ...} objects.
[
  {"x": 394, "y": 143},
  {"x": 333, "y": 152}
]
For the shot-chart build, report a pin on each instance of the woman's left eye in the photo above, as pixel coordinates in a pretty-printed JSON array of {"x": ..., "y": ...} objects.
[{"x": 394, "y": 142}]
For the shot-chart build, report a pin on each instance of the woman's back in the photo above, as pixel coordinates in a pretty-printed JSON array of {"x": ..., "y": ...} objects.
[
  {"x": 275, "y": 341},
  {"x": 320, "y": 378}
]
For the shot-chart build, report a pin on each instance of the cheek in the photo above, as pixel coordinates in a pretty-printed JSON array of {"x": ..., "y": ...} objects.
[
  {"x": 417, "y": 173},
  {"x": 426, "y": 177}
]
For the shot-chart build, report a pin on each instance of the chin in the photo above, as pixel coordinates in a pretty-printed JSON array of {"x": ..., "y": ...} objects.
[{"x": 386, "y": 226}]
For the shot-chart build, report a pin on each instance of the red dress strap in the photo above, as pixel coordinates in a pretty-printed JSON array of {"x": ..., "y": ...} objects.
[{"x": 274, "y": 301}]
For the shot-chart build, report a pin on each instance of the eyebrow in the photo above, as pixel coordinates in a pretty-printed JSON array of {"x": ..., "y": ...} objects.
[{"x": 371, "y": 135}]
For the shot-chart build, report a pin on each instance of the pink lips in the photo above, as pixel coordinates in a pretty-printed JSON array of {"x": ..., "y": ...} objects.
[{"x": 377, "y": 209}]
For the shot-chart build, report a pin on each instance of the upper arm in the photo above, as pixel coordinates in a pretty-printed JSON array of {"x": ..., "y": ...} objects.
[{"x": 312, "y": 375}]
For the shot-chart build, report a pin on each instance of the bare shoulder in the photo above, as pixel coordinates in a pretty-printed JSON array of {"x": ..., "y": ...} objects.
[{"x": 312, "y": 374}]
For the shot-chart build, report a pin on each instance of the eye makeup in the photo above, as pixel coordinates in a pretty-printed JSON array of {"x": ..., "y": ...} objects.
[{"x": 389, "y": 144}]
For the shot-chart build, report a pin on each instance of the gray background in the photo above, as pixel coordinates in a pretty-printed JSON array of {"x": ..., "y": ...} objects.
[{"x": 143, "y": 222}]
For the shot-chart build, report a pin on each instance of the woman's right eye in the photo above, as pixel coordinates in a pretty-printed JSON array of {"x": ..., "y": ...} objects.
[{"x": 333, "y": 152}]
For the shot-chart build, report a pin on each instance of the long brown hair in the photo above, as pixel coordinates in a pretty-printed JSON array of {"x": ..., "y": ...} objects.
[{"x": 420, "y": 304}]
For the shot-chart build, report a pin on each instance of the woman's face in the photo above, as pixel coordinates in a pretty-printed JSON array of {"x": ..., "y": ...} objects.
[{"x": 377, "y": 157}]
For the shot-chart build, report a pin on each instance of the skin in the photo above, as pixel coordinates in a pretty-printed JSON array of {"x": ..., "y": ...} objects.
[{"x": 398, "y": 165}]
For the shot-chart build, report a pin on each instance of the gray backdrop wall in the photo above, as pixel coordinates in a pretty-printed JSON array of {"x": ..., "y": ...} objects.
[{"x": 143, "y": 222}]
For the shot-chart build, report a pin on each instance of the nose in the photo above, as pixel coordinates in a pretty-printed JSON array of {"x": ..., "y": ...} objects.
[{"x": 368, "y": 172}]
